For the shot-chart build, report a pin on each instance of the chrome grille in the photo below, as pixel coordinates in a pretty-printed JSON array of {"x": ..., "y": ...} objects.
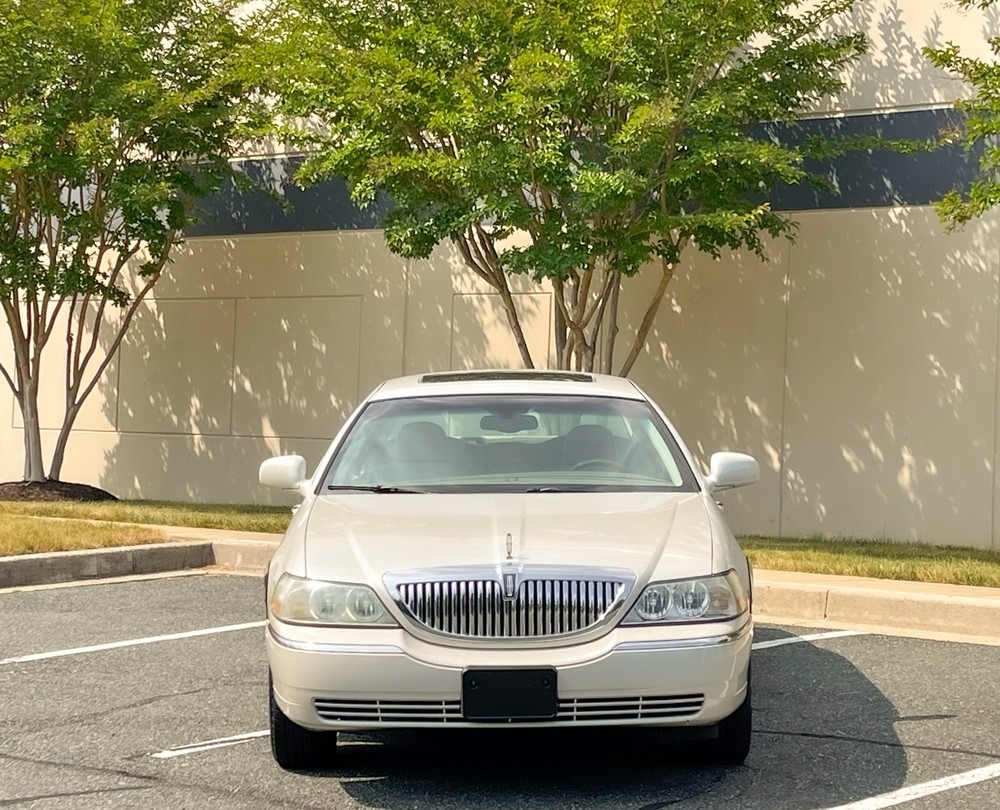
[{"x": 476, "y": 608}]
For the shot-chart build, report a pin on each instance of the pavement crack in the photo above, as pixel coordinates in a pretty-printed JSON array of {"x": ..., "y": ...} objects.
[
  {"x": 89, "y": 717},
  {"x": 71, "y": 794},
  {"x": 151, "y": 780},
  {"x": 884, "y": 743},
  {"x": 96, "y": 769}
]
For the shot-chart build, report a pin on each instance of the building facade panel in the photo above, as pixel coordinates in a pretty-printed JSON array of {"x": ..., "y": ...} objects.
[
  {"x": 715, "y": 362},
  {"x": 891, "y": 377},
  {"x": 177, "y": 368},
  {"x": 297, "y": 366}
]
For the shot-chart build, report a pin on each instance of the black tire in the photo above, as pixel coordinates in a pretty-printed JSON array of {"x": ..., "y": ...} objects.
[
  {"x": 295, "y": 748},
  {"x": 733, "y": 743}
]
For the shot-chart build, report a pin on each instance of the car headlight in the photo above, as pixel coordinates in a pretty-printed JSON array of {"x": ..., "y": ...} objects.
[
  {"x": 705, "y": 599},
  {"x": 311, "y": 601}
]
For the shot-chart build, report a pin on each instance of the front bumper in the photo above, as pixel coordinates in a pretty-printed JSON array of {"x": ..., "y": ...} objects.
[{"x": 334, "y": 679}]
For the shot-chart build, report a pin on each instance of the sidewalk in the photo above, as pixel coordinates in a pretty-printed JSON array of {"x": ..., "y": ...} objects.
[{"x": 780, "y": 597}]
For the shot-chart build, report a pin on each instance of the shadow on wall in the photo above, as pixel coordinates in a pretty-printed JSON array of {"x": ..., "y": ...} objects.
[
  {"x": 859, "y": 365},
  {"x": 259, "y": 345},
  {"x": 263, "y": 354},
  {"x": 891, "y": 379}
]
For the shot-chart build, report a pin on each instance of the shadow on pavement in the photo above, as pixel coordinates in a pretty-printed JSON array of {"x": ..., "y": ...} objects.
[{"x": 823, "y": 736}]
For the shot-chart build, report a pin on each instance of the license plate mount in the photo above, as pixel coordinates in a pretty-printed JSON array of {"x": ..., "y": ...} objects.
[{"x": 509, "y": 695}]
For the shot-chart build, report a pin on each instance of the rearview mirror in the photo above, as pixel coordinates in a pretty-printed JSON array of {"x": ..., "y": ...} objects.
[
  {"x": 731, "y": 470},
  {"x": 508, "y": 423}
]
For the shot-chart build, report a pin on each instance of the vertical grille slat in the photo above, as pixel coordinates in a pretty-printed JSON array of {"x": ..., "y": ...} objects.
[{"x": 477, "y": 608}]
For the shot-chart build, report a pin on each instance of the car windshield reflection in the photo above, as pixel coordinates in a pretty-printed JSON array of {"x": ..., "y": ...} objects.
[{"x": 508, "y": 443}]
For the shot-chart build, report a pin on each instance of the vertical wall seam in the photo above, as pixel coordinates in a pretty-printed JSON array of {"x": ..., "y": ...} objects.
[
  {"x": 232, "y": 369},
  {"x": 996, "y": 398},
  {"x": 361, "y": 342},
  {"x": 784, "y": 393},
  {"x": 407, "y": 272},
  {"x": 451, "y": 329}
]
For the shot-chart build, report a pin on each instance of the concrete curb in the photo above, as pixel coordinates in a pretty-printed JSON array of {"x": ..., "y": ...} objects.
[
  {"x": 187, "y": 549},
  {"x": 942, "y": 609},
  {"x": 67, "y": 566},
  {"x": 881, "y": 605}
]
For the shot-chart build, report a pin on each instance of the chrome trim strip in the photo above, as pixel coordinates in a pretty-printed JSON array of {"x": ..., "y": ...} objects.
[
  {"x": 341, "y": 649},
  {"x": 683, "y": 644}
]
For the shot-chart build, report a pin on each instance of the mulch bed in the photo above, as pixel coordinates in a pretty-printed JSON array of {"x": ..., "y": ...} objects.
[{"x": 52, "y": 491}]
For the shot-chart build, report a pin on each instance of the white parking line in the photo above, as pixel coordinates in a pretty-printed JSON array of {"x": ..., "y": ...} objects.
[
  {"x": 135, "y": 642},
  {"x": 781, "y": 642},
  {"x": 208, "y": 745},
  {"x": 908, "y": 794}
]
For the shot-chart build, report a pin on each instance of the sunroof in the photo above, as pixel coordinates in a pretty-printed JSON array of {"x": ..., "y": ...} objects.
[{"x": 471, "y": 376}]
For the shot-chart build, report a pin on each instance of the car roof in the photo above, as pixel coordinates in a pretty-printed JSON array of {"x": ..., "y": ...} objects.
[{"x": 507, "y": 381}]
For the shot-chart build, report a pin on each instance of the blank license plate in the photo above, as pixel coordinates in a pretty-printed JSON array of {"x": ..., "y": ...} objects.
[{"x": 509, "y": 694}]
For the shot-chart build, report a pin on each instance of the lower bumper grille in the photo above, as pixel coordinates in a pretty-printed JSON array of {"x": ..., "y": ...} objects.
[
  {"x": 571, "y": 710},
  {"x": 632, "y": 708},
  {"x": 389, "y": 711}
]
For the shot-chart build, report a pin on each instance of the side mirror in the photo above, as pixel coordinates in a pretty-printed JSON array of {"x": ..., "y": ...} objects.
[
  {"x": 283, "y": 472},
  {"x": 731, "y": 470}
]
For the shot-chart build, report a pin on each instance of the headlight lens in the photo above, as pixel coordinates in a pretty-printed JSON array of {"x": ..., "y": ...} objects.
[
  {"x": 706, "y": 599},
  {"x": 310, "y": 601}
]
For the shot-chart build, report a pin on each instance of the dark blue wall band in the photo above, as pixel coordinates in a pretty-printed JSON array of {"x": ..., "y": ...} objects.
[
  {"x": 275, "y": 204},
  {"x": 880, "y": 177},
  {"x": 864, "y": 179}
]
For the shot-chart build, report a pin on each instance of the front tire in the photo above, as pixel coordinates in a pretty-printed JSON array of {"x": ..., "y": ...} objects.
[
  {"x": 733, "y": 743},
  {"x": 295, "y": 748}
]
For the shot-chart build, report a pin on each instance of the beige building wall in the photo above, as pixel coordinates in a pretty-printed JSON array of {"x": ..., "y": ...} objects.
[
  {"x": 895, "y": 74},
  {"x": 859, "y": 365}
]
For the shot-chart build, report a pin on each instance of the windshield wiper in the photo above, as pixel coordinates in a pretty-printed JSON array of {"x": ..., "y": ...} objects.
[
  {"x": 556, "y": 489},
  {"x": 382, "y": 489}
]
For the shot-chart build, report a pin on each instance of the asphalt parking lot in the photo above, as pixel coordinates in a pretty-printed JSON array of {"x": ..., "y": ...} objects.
[{"x": 151, "y": 693}]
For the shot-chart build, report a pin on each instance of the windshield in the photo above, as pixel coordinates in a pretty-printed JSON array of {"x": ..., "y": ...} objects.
[{"x": 509, "y": 443}]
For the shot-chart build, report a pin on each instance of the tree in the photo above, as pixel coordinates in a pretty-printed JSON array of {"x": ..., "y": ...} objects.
[
  {"x": 982, "y": 125},
  {"x": 115, "y": 116},
  {"x": 612, "y": 135}
]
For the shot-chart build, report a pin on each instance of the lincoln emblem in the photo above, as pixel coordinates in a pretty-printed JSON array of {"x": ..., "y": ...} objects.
[{"x": 510, "y": 546}]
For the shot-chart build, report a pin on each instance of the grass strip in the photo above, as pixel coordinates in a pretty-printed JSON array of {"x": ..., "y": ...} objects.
[
  {"x": 28, "y": 535},
  {"x": 208, "y": 516},
  {"x": 881, "y": 559}
]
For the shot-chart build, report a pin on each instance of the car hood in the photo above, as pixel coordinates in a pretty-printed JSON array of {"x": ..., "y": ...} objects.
[{"x": 360, "y": 537}]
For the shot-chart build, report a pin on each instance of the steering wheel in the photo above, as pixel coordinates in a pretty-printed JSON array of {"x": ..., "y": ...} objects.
[{"x": 599, "y": 464}]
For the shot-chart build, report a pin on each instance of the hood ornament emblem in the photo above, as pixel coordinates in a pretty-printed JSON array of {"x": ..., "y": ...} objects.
[{"x": 510, "y": 546}]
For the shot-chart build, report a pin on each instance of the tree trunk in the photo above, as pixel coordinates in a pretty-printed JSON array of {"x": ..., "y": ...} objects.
[
  {"x": 514, "y": 321},
  {"x": 55, "y": 467},
  {"x": 34, "y": 465},
  {"x": 667, "y": 270},
  {"x": 609, "y": 329}
]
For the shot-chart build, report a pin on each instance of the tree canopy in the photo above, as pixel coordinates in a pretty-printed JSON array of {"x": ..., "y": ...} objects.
[
  {"x": 114, "y": 117},
  {"x": 608, "y": 135},
  {"x": 982, "y": 125}
]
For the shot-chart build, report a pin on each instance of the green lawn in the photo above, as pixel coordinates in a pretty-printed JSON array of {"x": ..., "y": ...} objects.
[{"x": 876, "y": 558}]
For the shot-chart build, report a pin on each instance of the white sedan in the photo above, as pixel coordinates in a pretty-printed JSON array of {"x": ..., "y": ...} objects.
[{"x": 508, "y": 549}]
